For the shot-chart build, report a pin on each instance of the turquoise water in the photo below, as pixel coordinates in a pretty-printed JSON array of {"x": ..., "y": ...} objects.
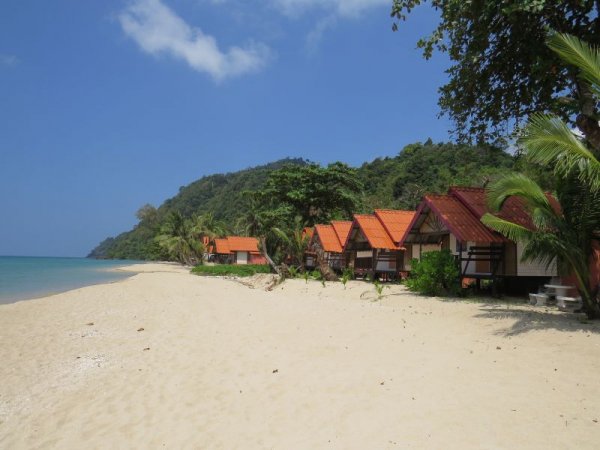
[{"x": 24, "y": 277}]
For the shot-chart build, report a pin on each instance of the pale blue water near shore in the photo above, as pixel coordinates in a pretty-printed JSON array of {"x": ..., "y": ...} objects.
[{"x": 24, "y": 277}]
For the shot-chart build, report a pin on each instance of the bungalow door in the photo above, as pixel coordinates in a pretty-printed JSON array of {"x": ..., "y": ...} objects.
[{"x": 242, "y": 257}]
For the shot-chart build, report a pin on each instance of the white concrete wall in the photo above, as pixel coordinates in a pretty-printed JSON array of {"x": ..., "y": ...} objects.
[
  {"x": 532, "y": 268},
  {"x": 465, "y": 254},
  {"x": 407, "y": 256},
  {"x": 453, "y": 244}
]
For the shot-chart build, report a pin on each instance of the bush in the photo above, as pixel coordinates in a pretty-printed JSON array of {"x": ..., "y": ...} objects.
[
  {"x": 347, "y": 275},
  {"x": 231, "y": 269},
  {"x": 436, "y": 274}
]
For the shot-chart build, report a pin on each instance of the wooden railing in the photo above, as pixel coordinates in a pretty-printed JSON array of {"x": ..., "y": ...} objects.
[{"x": 493, "y": 254}]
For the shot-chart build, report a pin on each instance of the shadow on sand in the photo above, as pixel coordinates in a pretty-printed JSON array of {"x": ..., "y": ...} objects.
[{"x": 527, "y": 320}]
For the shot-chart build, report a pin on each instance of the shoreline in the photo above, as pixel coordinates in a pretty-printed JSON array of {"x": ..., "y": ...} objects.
[
  {"x": 167, "y": 358},
  {"x": 129, "y": 268}
]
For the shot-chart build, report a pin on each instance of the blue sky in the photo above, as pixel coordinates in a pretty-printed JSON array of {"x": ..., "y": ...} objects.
[{"x": 106, "y": 106}]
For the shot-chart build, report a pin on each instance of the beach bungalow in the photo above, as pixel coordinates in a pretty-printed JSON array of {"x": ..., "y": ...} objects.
[
  {"x": 238, "y": 250},
  {"x": 329, "y": 239},
  {"x": 373, "y": 247},
  {"x": 342, "y": 230},
  {"x": 452, "y": 221}
]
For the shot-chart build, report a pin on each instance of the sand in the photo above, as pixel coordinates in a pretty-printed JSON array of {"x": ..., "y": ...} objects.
[{"x": 166, "y": 359}]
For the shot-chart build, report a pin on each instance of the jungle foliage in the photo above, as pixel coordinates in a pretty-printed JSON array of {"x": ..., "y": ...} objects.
[
  {"x": 501, "y": 69},
  {"x": 293, "y": 193},
  {"x": 564, "y": 234}
]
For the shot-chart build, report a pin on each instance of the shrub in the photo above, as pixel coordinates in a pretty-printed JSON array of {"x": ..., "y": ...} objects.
[
  {"x": 294, "y": 272},
  {"x": 379, "y": 289},
  {"x": 347, "y": 275},
  {"x": 306, "y": 276},
  {"x": 435, "y": 274},
  {"x": 245, "y": 270}
]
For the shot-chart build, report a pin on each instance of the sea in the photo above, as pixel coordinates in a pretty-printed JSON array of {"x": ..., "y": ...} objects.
[{"x": 26, "y": 277}]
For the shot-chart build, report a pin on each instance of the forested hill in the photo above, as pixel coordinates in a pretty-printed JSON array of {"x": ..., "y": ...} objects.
[
  {"x": 221, "y": 194},
  {"x": 392, "y": 182}
]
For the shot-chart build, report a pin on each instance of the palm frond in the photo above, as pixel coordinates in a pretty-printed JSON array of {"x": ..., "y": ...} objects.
[
  {"x": 281, "y": 235},
  {"x": 512, "y": 231},
  {"x": 544, "y": 248},
  {"x": 549, "y": 141},
  {"x": 518, "y": 185},
  {"x": 579, "y": 54}
]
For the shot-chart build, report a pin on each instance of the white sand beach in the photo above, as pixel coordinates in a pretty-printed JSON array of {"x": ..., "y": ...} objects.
[{"x": 166, "y": 359}]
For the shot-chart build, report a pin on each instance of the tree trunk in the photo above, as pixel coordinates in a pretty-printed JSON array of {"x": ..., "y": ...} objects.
[
  {"x": 263, "y": 249},
  {"x": 586, "y": 120},
  {"x": 591, "y": 306},
  {"x": 326, "y": 271}
]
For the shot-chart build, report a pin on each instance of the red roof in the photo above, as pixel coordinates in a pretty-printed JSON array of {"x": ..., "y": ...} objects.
[
  {"x": 328, "y": 237},
  {"x": 374, "y": 231},
  {"x": 243, "y": 244},
  {"x": 460, "y": 220},
  {"x": 222, "y": 246},
  {"x": 461, "y": 210},
  {"x": 513, "y": 209},
  {"x": 396, "y": 222},
  {"x": 342, "y": 229}
]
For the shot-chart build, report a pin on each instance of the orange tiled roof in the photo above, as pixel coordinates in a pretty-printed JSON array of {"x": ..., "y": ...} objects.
[
  {"x": 374, "y": 231},
  {"x": 342, "y": 229},
  {"x": 396, "y": 222},
  {"x": 243, "y": 244},
  {"x": 222, "y": 246},
  {"x": 328, "y": 238}
]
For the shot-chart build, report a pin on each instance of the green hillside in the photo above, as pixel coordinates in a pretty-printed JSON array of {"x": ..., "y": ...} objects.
[{"x": 392, "y": 182}]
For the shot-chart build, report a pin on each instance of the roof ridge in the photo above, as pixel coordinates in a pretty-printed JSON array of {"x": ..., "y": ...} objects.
[
  {"x": 437, "y": 196},
  {"x": 466, "y": 188},
  {"x": 407, "y": 211}
]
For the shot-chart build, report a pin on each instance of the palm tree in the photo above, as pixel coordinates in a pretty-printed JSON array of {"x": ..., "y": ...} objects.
[
  {"x": 563, "y": 235},
  {"x": 207, "y": 225},
  {"x": 294, "y": 241},
  {"x": 179, "y": 240},
  {"x": 252, "y": 221}
]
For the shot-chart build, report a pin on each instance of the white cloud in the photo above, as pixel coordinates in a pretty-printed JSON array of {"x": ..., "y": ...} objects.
[
  {"x": 313, "y": 38},
  {"x": 159, "y": 30},
  {"x": 343, "y": 8},
  {"x": 9, "y": 60},
  {"x": 332, "y": 10}
]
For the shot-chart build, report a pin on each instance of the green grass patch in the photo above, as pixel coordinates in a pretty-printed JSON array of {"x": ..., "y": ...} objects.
[{"x": 231, "y": 270}]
